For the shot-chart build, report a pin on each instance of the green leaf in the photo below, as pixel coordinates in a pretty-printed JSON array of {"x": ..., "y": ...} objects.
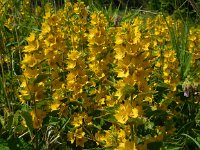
[
  {"x": 2, "y": 89},
  {"x": 149, "y": 125},
  {"x": 24, "y": 145},
  {"x": 2, "y": 121},
  {"x": 40, "y": 78},
  {"x": 20, "y": 129},
  {"x": 7, "y": 30},
  {"x": 197, "y": 143},
  {"x": 4, "y": 145},
  {"x": 28, "y": 119},
  {"x": 42, "y": 103},
  {"x": 154, "y": 146},
  {"x": 137, "y": 121},
  {"x": 110, "y": 110},
  {"x": 10, "y": 122},
  {"x": 22, "y": 42},
  {"x": 197, "y": 118},
  {"x": 16, "y": 119},
  {"x": 11, "y": 44},
  {"x": 110, "y": 118},
  {"x": 53, "y": 120},
  {"x": 187, "y": 64},
  {"x": 102, "y": 122},
  {"x": 16, "y": 143}
]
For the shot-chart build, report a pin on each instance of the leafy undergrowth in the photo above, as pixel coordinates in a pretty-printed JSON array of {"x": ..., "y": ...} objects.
[{"x": 79, "y": 79}]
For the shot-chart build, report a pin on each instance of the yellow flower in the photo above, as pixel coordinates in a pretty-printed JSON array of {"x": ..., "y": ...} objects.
[
  {"x": 122, "y": 71},
  {"x": 48, "y": 9},
  {"x": 108, "y": 137},
  {"x": 54, "y": 20},
  {"x": 74, "y": 55},
  {"x": 72, "y": 76},
  {"x": 192, "y": 37},
  {"x": 134, "y": 113},
  {"x": 45, "y": 28},
  {"x": 139, "y": 74},
  {"x": 31, "y": 38},
  {"x": 143, "y": 86},
  {"x": 110, "y": 101},
  {"x": 55, "y": 106},
  {"x": 120, "y": 52},
  {"x": 33, "y": 46},
  {"x": 120, "y": 86},
  {"x": 119, "y": 39},
  {"x": 30, "y": 60},
  {"x": 70, "y": 137},
  {"x": 30, "y": 73},
  {"x": 80, "y": 139},
  {"x": 38, "y": 11},
  {"x": 71, "y": 64},
  {"x": 99, "y": 137},
  {"x": 50, "y": 41},
  {"x": 166, "y": 72},
  {"x": 128, "y": 145},
  {"x": 23, "y": 122},
  {"x": 57, "y": 86},
  {"x": 123, "y": 112},
  {"x": 77, "y": 120},
  {"x": 121, "y": 135},
  {"x": 158, "y": 64},
  {"x": 33, "y": 43}
]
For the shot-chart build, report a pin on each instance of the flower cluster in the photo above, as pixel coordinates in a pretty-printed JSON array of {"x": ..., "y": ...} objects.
[{"x": 105, "y": 80}]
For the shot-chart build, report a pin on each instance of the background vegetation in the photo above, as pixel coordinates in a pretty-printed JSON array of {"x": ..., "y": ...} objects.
[{"x": 99, "y": 74}]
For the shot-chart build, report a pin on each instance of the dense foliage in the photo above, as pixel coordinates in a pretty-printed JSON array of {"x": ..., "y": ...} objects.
[{"x": 75, "y": 77}]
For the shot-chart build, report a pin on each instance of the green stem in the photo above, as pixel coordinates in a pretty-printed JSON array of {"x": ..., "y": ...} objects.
[
  {"x": 132, "y": 131},
  {"x": 3, "y": 78}
]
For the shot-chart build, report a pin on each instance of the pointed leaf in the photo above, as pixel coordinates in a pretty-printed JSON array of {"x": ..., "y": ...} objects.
[
  {"x": 2, "y": 121},
  {"x": 20, "y": 129},
  {"x": 10, "y": 122},
  {"x": 191, "y": 138},
  {"x": 28, "y": 119},
  {"x": 16, "y": 118},
  {"x": 4, "y": 145},
  {"x": 40, "y": 78}
]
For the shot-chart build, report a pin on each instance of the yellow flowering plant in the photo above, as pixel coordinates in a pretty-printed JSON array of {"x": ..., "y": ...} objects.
[{"x": 86, "y": 83}]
